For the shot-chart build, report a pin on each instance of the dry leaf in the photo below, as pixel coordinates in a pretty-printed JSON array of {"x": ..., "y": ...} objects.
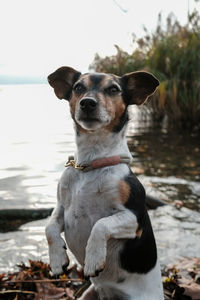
[
  {"x": 191, "y": 288},
  {"x": 48, "y": 291}
]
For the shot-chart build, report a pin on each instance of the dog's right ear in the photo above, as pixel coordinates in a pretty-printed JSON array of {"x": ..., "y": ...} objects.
[
  {"x": 138, "y": 86},
  {"x": 62, "y": 80}
]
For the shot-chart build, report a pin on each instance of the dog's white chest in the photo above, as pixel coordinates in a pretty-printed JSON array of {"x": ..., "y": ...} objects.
[{"x": 93, "y": 195}]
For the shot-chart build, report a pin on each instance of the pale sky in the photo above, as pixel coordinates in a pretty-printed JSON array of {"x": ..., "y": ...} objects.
[{"x": 38, "y": 36}]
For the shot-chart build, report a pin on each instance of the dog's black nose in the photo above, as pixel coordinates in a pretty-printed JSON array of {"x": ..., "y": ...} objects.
[{"x": 88, "y": 104}]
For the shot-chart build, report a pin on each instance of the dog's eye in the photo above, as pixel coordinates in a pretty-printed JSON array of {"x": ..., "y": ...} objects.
[
  {"x": 113, "y": 89},
  {"x": 79, "y": 88}
]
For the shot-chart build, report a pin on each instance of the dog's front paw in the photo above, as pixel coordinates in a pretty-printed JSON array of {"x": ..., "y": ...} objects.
[
  {"x": 59, "y": 259},
  {"x": 95, "y": 259}
]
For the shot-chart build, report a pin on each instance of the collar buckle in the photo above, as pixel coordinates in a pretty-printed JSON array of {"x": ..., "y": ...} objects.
[{"x": 72, "y": 163}]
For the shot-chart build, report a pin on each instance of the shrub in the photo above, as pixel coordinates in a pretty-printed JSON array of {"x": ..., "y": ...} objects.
[{"x": 172, "y": 53}]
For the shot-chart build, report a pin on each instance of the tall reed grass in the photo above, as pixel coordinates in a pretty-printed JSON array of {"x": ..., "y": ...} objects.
[{"x": 172, "y": 53}]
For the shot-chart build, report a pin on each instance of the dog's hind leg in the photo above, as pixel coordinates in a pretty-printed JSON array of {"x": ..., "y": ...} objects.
[
  {"x": 89, "y": 294},
  {"x": 57, "y": 248}
]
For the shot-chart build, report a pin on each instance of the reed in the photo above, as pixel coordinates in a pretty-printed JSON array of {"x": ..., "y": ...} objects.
[{"x": 172, "y": 53}]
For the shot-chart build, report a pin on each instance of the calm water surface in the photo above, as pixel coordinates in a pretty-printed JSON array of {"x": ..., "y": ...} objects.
[
  {"x": 37, "y": 136},
  {"x": 36, "y": 139}
]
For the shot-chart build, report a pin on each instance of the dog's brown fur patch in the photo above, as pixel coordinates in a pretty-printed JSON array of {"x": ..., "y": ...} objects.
[
  {"x": 124, "y": 191},
  {"x": 49, "y": 240},
  {"x": 118, "y": 109}
]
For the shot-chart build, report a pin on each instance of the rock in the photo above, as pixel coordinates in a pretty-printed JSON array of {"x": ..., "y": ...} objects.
[{"x": 11, "y": 219}]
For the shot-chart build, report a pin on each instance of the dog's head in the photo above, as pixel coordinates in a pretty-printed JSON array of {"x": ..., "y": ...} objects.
[{"x": 100, "y": 100}]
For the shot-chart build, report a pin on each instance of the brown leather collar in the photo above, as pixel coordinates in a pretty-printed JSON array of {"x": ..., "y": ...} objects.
[{"x": 98, "y": 163}]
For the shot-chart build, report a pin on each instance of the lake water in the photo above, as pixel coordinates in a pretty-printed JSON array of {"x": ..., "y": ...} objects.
[{"x": 37, "y": 137}]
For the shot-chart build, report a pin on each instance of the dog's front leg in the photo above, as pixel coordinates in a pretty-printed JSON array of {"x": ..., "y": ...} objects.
[
  {"x": 122, "y": 225},
  {"x": 57, "y": 248}
]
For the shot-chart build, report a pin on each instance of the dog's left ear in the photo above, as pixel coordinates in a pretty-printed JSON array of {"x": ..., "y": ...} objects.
[
  {"x": 138, "y": 86},
  {"x": 62, "y": 80}
]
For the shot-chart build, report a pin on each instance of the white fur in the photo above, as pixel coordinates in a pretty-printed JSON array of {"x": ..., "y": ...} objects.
[
  {"x": 103, "y": 119},
  {"x": 137, "y": 286},
  {"x": 122, "y": 225},
  {"x": 57, "y": 253},
  {"x": 101, "y": 144}
]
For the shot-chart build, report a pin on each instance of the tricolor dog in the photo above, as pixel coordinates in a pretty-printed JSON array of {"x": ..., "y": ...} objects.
[{"x": 101, "y": 204}]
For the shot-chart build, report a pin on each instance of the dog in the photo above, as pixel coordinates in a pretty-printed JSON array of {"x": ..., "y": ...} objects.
[{"x": 101, "y": 203}]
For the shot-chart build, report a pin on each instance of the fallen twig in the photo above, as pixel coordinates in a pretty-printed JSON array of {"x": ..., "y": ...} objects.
[
  {"x": 17, "y": 291},
  {"x": 44, "y": 280}
]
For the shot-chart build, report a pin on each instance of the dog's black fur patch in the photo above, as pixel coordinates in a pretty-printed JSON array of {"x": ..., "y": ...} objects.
[
  {"x": 122, "y": 122},
  {"x": 96, "y": 79},
  {"x": 139, "y": 255}
]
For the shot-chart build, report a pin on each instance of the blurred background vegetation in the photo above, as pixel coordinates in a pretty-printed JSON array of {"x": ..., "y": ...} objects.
[{"x": 172, "y": 54}]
